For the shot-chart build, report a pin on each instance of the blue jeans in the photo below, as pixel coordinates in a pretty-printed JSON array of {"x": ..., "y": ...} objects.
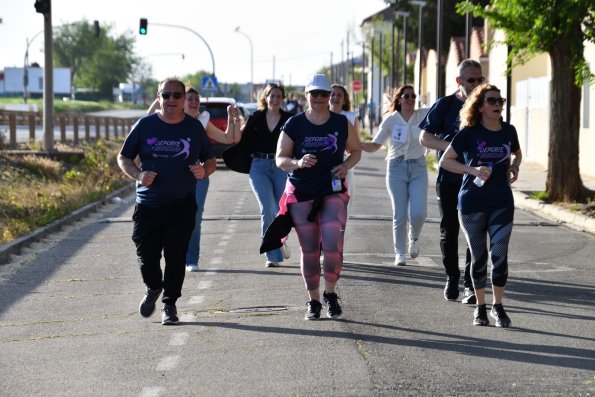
[
  {"x": 193, "y": 254},
  {"x": 407, "y": 184},
  {"x": 268, "y": 183}
]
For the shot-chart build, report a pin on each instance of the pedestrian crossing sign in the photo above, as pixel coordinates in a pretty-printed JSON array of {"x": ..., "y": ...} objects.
[{"x": 209, "y": 84}]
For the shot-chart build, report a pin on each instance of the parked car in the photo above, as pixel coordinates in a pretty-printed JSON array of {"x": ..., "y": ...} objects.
[
  {"x": 250, "y": 107},
  {"x": 217, "y": 108}
]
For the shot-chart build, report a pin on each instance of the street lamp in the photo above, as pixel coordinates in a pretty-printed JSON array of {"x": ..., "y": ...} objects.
[
  {"x": 420, "y": 33},
  {"x": 404, "y": 14},
  {"x": 237, "y": 30}
]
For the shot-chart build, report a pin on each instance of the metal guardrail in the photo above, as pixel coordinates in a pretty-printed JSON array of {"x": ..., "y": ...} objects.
[{"x": 81, "y": 123}]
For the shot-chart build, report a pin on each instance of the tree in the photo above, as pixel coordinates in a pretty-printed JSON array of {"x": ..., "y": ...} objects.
[
  {"x": 560, "y": 28},
  {"x": 97, "y": 62}
]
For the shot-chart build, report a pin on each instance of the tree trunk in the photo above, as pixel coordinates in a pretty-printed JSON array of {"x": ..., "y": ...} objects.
[{"x": 563, "y": 177}]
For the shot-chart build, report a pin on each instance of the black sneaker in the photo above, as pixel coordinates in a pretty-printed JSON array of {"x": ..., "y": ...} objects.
[
  {"x": 147, "y": 305},
  {"x": 332, "y": 301},
  {"x": 498, "y": 314},
  {"x": 451, "y": 290},
  {"x": 169, "y": 315},
  {"x": 480, "y": 315},
  {"x": 469, "y": 297},
  {"x": 313, "y": 312}
]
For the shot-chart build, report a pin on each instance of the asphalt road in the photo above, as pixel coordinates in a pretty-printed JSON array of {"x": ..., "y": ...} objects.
[{"x": 69, "y": 323}]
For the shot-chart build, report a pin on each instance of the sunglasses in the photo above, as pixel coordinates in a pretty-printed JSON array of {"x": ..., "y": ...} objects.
[
  {"x": 494, "y": 100},
  {"x": 317, "y": 93},
  {"x": 472, "y": 80},
  {"x": 176, "y": 95},
  {"x": 407, "y": 96}
]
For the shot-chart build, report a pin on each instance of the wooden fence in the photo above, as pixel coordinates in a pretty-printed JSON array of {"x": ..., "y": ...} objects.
[{"x": 92, "y": 127}]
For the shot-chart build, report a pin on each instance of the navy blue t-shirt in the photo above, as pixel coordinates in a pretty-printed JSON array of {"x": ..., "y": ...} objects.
[
  {"x": 168, "y": 150},
  {"x": 443, "y": 121},
  {"x": 327, "y": 142},
  {"x": 480, "y": 146}
]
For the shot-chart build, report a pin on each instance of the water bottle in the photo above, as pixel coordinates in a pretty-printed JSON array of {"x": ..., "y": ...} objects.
[{"x": 480, "y": 181}]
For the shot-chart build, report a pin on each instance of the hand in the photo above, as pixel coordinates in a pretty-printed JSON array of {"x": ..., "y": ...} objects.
[
  {"x": 340, "y": 171},
  {"x": 308, "y": 161},
  {"x": 198, "y": 171},
  {"x": 146, "y": 178},
  {"x": 483, "y": 172},
  {"x": 514, "y": 169}
]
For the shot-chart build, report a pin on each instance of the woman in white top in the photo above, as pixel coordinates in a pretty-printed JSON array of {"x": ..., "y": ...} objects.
[
  {"x": 407, "y": 175},
  {"x": 339, "y": 103}
]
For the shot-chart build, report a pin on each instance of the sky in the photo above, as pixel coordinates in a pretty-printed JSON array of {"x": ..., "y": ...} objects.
[{"x": 291, "y": 39}]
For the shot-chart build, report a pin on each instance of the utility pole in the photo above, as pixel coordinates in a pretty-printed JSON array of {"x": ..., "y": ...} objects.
[{"x": 45, "y": 7}]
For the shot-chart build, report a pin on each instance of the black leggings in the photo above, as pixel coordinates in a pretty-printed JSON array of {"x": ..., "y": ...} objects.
[{"x": 477, "y": 226}]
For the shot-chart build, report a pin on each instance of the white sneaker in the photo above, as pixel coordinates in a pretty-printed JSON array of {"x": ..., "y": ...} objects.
[
  {"x": 413, "y": 248},
  {"x": 271, "y": 264},
  {"x": 400, "y": 260},
  {"x": 192, "y": 267},
  {"x": 285, "y": 251}
]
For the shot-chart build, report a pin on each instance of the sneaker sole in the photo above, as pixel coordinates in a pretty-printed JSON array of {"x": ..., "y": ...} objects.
[
  {"x": 170, "y": 322},
  {"x": 469, "y": 300},
  {"x": 481, "y": 323},
  {"x": 312, "y": 318}
]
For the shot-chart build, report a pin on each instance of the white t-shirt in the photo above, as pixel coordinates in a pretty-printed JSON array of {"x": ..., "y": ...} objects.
[
  {"x": 204, "y": 118},
  {"x": 401, "y": 137}
]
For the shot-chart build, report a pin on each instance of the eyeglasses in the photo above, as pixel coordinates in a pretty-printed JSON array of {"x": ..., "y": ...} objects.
[
  {"x": 493, "y": 100},
  {"x": 407, "y": 96},
  {"x": 317, "y": 93},
  {"x": 176, "y": 95},
  {"x": 472, "y": 80}
]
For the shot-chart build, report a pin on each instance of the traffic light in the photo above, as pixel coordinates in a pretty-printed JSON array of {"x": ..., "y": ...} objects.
[
  {"x": 96, "y": 29},
  {"x": 143, "y": 26},
  {"x": 43, "y": 6}
]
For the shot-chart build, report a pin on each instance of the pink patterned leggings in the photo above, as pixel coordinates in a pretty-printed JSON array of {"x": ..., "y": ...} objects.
[{"x": 327, "y": 231}]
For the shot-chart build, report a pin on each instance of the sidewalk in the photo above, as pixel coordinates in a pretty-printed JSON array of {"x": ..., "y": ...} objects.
[{"x": 532, "y": 179}]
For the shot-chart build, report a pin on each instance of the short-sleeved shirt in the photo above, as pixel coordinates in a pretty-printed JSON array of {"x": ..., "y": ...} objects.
[
  {"x": 479, "y": 146},
  {"x": 402, "y": 135},
  {"x": 327, "y": 141},
  {"x": 167, "y": 149},
  {"x": 443, "y": 121}
]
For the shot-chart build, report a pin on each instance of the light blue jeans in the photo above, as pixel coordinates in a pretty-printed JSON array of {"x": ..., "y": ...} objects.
[
  {"x": 268, "y": 183},
  {"x": 193, "y": 254},
  {"x": 407, "y": 184}
]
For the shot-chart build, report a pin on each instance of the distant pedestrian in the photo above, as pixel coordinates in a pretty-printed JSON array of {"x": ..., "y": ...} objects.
[
  {"x": 406, "y": 169},
  {"x": 174, "y": 151},
  {"x": 482, "y": 151},
  {"x": 311, "y": 148},
  {"x": 340, "y": 103},
  {"x": 260, "y": 135},
  {"x": 192, "y": 108},
  {"x": 439, "y": 126},
  {"x": 292, "y": 105}
]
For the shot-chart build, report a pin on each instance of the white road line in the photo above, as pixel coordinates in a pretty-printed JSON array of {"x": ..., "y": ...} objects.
[
  {"x": 196, "y": 300},
  {"x": 218, "y": 251},
  {"x": 168, "y": 363},
  {"x": 211, "y": 272},
  {"x": 187, "y": 318},
  {"x": 216, "y": 261},
  {"x": 179, "y": 339},
  {"x": 424, "y": 261},
  {"x": 225, "y": 237},
  {"x": 204, "y": 284},
  {"x": 223, "y": 243},
  {"x": 153, "y": 391}
]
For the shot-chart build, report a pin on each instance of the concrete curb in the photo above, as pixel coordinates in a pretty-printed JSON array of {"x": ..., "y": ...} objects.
[
  {"x": 561, "y": 215},
  {"x": 15, "y": 246}
]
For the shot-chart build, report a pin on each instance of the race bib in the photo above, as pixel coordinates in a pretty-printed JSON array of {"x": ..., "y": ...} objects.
[{"x": 400, "y": 133}]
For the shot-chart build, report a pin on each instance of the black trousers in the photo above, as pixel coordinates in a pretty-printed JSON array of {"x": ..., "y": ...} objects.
[
  {"x": 165, "y": 229},
  {"x": 449, "y": 232}
]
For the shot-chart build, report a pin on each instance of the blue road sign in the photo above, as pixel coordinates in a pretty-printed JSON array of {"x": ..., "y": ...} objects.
[{"x": 209, "y": 84}]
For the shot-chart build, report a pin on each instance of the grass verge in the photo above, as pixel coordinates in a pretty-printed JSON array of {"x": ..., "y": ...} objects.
[{"x": 35, "y": 190}]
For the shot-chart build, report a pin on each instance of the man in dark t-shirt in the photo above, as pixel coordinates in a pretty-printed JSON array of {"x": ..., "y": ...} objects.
[
  {"x": 174, "y": 151},
  {"x": 439, "y": 127}
]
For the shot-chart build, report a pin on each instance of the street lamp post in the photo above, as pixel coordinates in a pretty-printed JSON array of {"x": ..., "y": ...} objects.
[
  {"x": 420, "y": 33},
  {"x": 25, "y": 64},
  {"x": 237, "y": 30},
  {"x": 404, "y": 15}
]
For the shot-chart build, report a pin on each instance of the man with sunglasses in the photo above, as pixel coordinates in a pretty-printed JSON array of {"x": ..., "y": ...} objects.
[
  {"x": 174, "y": 151},
  {"x": 439, "y": 127}
]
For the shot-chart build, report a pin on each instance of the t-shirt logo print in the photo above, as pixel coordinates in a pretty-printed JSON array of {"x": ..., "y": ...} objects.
[
  {"x": 492, "y": 154},
  {"x": 180, "y": 146}
]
